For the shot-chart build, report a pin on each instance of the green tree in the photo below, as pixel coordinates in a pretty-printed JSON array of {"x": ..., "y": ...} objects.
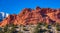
[
  {"x": 58, "y": 26},
  {"x": 8, "y": 30},
  {"x": 1, "y": 30},
  {"x": 37, "y": 28}
]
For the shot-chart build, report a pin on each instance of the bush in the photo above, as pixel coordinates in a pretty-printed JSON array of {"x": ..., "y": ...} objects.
[{"x": 58, "y": 27}]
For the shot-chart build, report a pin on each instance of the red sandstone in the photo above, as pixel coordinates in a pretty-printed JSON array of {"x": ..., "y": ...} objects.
[{"x": 31, "y": 16}]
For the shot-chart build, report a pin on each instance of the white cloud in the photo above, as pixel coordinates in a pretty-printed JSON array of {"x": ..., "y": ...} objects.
[
  {"x": 7, "y": 14},
  {"x": 2, "y": 13}
]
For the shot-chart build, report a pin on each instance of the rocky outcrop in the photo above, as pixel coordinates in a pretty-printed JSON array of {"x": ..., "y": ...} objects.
[
  {"x": 10, "y": 19},
  {"x": 31, "y": 16}
]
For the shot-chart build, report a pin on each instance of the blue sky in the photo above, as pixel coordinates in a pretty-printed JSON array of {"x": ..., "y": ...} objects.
[{"x": 15, "y": 6}]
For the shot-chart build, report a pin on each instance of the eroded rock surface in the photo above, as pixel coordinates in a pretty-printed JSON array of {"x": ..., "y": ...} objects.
[{"x": 33, "y": 16}]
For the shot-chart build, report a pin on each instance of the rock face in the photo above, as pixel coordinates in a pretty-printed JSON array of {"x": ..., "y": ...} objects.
[{"x": 31, "y": 16}]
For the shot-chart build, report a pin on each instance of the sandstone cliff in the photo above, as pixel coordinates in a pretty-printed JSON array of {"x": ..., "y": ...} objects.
[{"x": 33, "y": 16}]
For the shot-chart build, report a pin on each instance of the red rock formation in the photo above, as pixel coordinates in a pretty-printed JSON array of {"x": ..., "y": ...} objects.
[
  {"x": 10, "y": 19},
  {"x": 31, "y": 16}
]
